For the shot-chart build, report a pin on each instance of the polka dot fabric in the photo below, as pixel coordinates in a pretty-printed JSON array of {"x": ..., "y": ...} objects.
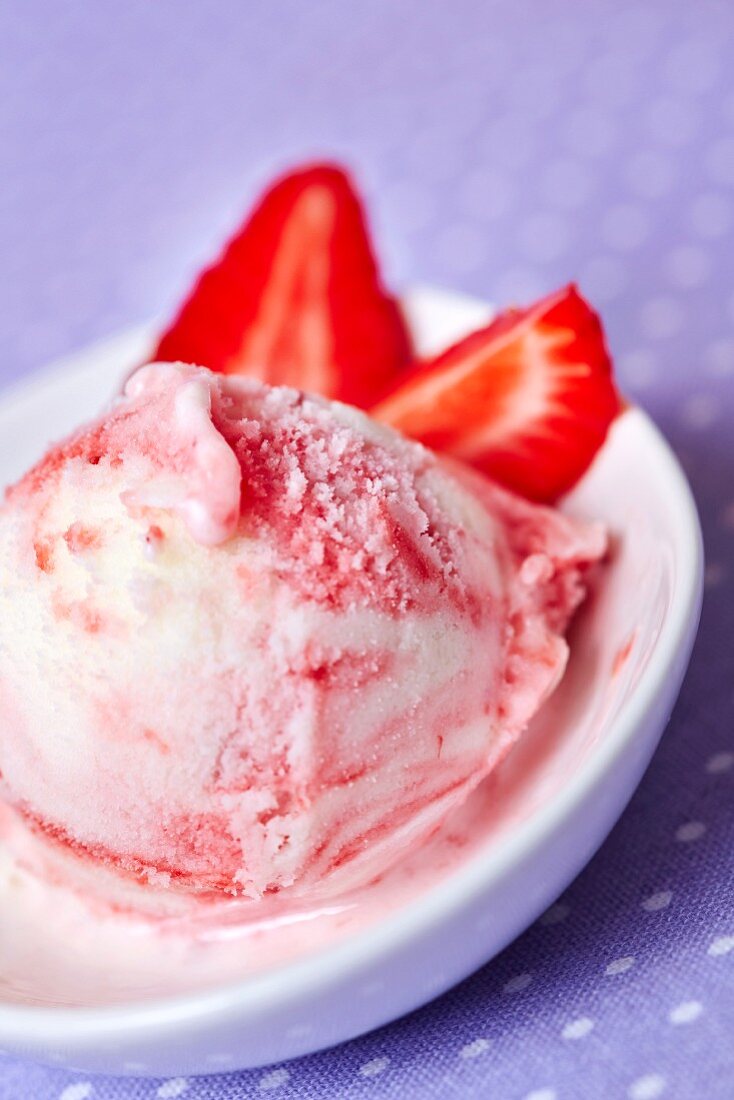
[{"x": 504, "y": 148}]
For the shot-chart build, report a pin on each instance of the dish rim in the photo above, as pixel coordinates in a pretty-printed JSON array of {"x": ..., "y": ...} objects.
[{"x": 252, "y": 996}]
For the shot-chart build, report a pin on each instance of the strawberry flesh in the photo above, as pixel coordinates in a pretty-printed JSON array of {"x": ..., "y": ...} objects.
[
  {"x": 528, "y": 400},
  {"x": 296, "y": 298}
]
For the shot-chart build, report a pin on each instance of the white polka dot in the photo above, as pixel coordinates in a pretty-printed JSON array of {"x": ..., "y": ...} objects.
[
  {"x": 650, "y": 174},
  {"x": 542, "y": 1094},
  {"x": 720, "y": 762},
  {"x": 672, "y": 121},
  {"x": 701, "y": 410},
  {"x": 577, "y": 1029},
  {"x": 518, "y": 983},
  {"x": 720, "y": 161},
  {"x": 274, "y": 1080},
  {"x": 714, "y": 574},
  {"x": 638, "y": 368},
  {"x": 589, "y": 131},
  {"x": 661, "y": 317},
  {"x": 688, "y": 266},
  {"x": 619, "y": 966},
  {"x": 556, "y": 914},
  {"x": 647, "y": 1087},
  {"x": 686, "y": 1013},
  {"x": 566, "y": 183},
  {"x": 543, "y": 237},
  {"x": 722, "y": 945},
  {"x": 711, "y": 215},
  {"x": 76, "y": 1092},
  {"x": 658, "y": 901},
  {"x": 625, "y": 227},
  {"x": 474, "y": 1049},
  {"x": 603, "y": 278},
  {"x": 169, "y": 1090},
  {"x": 719, "y": 357},
  {"x": 485, "y": 195},
  {"x": 374, "y": 1067},
  {"x": 692, "y": 830}
]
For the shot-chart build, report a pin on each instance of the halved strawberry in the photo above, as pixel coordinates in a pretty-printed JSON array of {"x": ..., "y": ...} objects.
[
  {"x": 528, "y": 399},
  {"x": 296, "y": 297}
]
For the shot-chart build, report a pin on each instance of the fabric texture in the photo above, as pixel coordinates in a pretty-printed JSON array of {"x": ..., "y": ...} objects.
[{"x": 504, "y": 149}]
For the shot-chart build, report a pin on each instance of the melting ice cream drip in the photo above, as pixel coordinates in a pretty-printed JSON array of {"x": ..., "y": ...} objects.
[{"x": 206, "y": 494}]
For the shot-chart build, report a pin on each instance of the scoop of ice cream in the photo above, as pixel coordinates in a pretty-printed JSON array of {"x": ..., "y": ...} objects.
[{"x": 250, "y": 637}]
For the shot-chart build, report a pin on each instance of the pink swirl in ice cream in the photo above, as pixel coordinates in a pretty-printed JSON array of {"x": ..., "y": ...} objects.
[{"x": 252, "y": 640}]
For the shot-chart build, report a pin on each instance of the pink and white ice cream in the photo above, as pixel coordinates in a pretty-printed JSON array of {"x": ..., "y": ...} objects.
[{"x": 251, "y": 640}]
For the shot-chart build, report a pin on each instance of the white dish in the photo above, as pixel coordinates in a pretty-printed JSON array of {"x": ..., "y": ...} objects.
[{"x": 554, "y": 801}]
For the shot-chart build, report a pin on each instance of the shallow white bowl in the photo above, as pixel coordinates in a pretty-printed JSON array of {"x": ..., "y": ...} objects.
[{"x": 558, "y": 794}]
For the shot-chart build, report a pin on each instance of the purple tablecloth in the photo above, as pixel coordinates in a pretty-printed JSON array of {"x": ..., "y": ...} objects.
[{"x": 505, "y": 147}]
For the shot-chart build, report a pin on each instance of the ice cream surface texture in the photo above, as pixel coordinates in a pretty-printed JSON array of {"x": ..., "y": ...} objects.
[{"x": 252, "y": 640}]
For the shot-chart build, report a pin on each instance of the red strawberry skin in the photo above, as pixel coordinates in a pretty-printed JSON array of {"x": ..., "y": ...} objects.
[
  {"x": 528, "y": 400},
  {"x": 296, "y": 298}
]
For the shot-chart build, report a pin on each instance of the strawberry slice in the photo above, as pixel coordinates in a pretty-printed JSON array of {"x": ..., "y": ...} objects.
[
  {"x": 296, "y": 298},
  {"x": 527, "y": 400}
]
